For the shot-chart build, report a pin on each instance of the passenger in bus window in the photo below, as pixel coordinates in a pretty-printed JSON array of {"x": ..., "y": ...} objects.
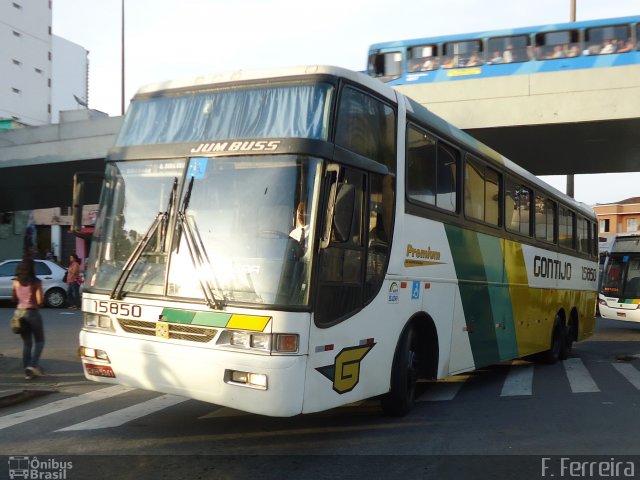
[
  {"x": 558, "y": 52},
  {"x": 608, "y": 46},
  {"x": 430, "y": 63},
  {"x": 508, "y": 55},
  {"x": 496, "y": 58},
  {"x": 574, "y": 51},
  {"x": 624, "y": 47},
  {"x": 473, "y": 61}
]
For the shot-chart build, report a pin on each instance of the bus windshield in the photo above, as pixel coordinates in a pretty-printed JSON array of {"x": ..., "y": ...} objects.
[
  {"x": 621, "y": 277},
  {"x": 245, "y": 234},
  {"x": 255, "y": 112}
]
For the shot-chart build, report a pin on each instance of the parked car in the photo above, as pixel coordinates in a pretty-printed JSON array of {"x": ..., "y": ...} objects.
[{"x": 54, "y": 289}]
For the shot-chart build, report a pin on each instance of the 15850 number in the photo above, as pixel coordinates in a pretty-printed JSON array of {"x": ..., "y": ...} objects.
[{"x": 121, "y": 309}]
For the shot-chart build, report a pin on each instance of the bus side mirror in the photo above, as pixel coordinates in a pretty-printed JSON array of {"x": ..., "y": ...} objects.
[
  {"x": 85, "y": 185},
  {"x": 343, "y": 212}
]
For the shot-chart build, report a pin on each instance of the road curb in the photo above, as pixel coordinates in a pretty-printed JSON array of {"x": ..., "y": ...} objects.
[{"x": 12, "y": 397}]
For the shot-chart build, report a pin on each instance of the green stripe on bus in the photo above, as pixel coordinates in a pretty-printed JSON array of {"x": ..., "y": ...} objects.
[
  {"x": 207, "y": 319},
  {"x": 474, "y": 294},
  {"x": 499, "y": 294}
]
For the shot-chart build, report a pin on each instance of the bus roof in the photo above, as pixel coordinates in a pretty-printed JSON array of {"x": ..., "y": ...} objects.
[
  {"x": 507, "y": 32},
  {"x": 261, "y": 74}
]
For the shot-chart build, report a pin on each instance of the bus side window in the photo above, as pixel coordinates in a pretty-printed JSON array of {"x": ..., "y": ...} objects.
[{"x": 481, "y": 192}]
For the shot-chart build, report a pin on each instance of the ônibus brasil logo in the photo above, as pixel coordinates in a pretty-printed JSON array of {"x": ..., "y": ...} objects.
[{"x": 38, "y": 469}]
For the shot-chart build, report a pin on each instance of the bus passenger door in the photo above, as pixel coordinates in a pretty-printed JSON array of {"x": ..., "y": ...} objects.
[{"x": 340, "y": 357}]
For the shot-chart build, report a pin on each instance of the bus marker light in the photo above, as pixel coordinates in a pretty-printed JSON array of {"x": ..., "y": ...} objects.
[
  {"x": 286, "y": 342},
  {"x": 403, "y": 284},
  {"x": 427, "y": 286},
  {"x": 367, "y": 341}
]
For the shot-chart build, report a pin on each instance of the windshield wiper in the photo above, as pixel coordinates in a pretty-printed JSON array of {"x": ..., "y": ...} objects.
[
  {"x": 213, "y": 294},
  {"x": 160, "y": 222}
]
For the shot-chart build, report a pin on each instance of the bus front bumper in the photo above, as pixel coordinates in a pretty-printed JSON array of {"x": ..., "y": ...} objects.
[{"x": 263, "y": 384}]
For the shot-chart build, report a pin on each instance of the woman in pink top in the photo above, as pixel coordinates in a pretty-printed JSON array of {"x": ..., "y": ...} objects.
[{"x": 27, "y": 294}]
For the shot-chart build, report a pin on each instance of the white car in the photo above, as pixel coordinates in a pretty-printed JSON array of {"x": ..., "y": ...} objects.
[{"x": 54, "y": 289}]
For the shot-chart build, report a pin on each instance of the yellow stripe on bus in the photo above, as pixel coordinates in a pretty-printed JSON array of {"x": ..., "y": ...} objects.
[{"x": 248, "y": 322}]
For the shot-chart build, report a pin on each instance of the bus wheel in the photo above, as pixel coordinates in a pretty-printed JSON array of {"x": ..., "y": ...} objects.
[
  {"x": 558, "y": 340},
  {"x": 399, "y": 401}
]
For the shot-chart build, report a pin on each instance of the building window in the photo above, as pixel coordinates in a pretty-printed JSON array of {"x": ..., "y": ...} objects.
[
  {"x": 17, "y": 34},
  {"x": 632, "y": 224},
  {"x": 16, "y": 90},
  {"x": 38, "y": 70},
  {"x": 604, "y": 225},
  {"x": 17, "y": 5},
  {"x": 17, "y": 62},
  {"x": 49, "y": 56}
]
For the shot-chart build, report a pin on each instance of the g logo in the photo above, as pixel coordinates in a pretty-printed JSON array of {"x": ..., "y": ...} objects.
[{"x": 345, "y": 372}]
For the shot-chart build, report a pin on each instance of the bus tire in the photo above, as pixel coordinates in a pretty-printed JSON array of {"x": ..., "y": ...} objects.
[
  {"x": 404, "y": 374},
  {"x": 558, "y": 341}
]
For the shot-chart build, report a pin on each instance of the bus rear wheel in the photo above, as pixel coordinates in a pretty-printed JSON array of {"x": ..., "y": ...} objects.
[
  {"x": 404, "y": 375},
  {"x": 558, "y": 343}
]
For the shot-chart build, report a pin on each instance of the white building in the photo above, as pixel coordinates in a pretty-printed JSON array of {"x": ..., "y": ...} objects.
[{"x": 41, "y": 73}]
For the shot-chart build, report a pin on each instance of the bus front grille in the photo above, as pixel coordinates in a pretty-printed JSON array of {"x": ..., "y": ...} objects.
[{"x": 176, "y": 331}]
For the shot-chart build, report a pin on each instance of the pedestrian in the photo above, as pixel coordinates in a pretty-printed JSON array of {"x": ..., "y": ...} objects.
[
  {"x": 27, "y": 294},
  {"x": 73, "y": 282}
]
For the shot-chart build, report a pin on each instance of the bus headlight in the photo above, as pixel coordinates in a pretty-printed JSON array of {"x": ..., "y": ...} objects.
[
  {"x": 266, "y": 342},
  {"x": 93, "y": 353},
  {"x": 92, "y": 320},
  {"x": 247, "y": 379}
]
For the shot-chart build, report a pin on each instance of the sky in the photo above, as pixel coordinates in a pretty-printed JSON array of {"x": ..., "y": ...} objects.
[{"x": 173, "y": 39}]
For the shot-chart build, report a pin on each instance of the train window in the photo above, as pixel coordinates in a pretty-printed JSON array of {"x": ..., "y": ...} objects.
[
  {"x": 385, "y": 66},
  {"x": 610, "y": 39},
  {"x": 515, "y": 48},
  {"x": 552, "y": 45},
  {"x": 422, "y": 58},
  {"x": 462, "y": 54}
]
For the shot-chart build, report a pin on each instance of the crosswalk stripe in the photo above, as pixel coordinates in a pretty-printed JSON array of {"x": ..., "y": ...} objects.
[
  {"x": 120, "y": 417},
  {"x": 629, "y": 372},
  {"x": 60, "y": 405},
  {"x": 443, "y": 390},
  {"x": 519, "y": 381},
  {"x": 579, "y": 377}
]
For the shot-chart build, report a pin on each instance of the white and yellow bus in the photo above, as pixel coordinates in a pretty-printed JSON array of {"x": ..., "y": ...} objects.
[
  {"x": 292, "y": 240},
  {"x": 619, "y": 296}
]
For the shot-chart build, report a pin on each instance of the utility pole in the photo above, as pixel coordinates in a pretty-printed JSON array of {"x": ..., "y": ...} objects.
[
  {"x": 122, "y": 65},
  {"x": 570, "y": 177}
]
